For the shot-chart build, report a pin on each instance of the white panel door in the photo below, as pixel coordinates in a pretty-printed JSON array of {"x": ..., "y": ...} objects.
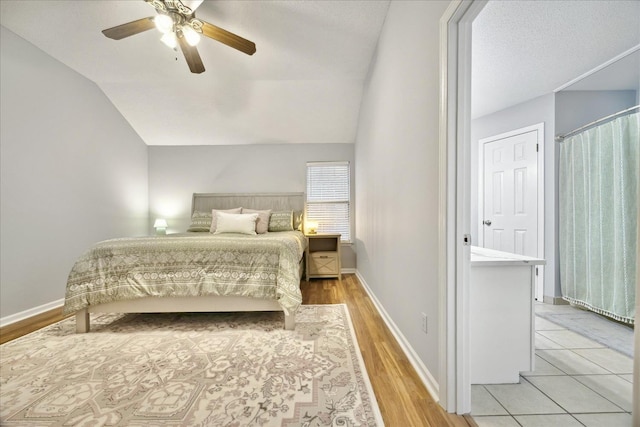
[{"x": 510, "y": 181}]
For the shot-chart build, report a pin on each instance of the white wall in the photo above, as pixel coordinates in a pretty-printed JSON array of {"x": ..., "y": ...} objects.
[
  {"x": 537, "y": 110},
  {"x": 176, "y": 172},
  {"x": 397, "y": 174},
  {"x": 576, "y": 108},
  {"x": 72, "y": 172}
]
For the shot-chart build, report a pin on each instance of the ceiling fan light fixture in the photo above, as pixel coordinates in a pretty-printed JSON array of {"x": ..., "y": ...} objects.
[
  {"x": 164, "y": 23},
  {"x": 191, "y": 36},
  {"x": 170, "y": 40},
  {"x": 180, "y": 27}
]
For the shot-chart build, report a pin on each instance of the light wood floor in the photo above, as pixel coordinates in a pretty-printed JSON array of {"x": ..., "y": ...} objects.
[
  {"x": 403, "y": 399},
  {"x": 23, "y": 327}
]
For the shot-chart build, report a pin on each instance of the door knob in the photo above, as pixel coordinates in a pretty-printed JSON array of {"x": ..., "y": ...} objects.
[{"x": 487, "y": 222}]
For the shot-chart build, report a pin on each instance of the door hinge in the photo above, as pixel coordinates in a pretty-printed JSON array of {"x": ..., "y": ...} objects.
[
  {"x": 536, "y": 148},
  {"x": 466, "y": 240}
]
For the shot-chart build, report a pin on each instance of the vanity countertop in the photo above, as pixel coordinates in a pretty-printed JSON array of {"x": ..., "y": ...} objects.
[{"x": 483, "y": 257}]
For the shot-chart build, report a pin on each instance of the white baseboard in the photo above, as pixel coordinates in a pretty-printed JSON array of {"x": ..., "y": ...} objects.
[
  {"x": 348, "y": 270},
  {"x": 427, "y": 379},
  {"x": 13, "y": 318}
]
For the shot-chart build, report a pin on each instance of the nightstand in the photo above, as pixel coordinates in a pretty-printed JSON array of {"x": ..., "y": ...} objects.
[{"x": 322, "y": 256}]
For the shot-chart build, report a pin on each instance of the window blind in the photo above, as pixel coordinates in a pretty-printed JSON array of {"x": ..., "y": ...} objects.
[{"x": 328, "y": 197}]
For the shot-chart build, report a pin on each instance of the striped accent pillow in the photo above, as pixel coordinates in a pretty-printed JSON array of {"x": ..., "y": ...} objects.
[
  {"x": 281, "y": 221},
  {"x": 200, "y": 221}
]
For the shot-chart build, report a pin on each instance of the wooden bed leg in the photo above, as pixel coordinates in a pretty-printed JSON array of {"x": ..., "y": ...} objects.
[
  {"x": 290, "y": 321},
  {"x": 82, "y": 321}
]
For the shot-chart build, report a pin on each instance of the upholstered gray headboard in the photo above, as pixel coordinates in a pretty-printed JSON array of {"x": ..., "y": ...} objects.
[{"x": 204, "y": 202}]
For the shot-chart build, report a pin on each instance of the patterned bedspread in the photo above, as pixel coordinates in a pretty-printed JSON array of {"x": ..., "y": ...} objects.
[{"x": 193, "y": 264}]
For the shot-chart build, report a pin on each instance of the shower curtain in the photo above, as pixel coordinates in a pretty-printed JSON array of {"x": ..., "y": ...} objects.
[{"x": 598, "y": 190}]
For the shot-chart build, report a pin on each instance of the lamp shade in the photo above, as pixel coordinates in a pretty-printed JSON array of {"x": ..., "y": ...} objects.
[
  {"x": 311, "y": 226},
  {"x": 170, "y": 40},
  {"x": 164, "y": 23},
  {"x": 160, "y": 223},
  {"x": 192, "y": 37}
]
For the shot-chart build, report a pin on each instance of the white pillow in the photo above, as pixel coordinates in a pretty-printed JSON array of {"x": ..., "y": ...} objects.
[
  {"x": 214, "y": 219},
  {"x": 236, "y": 223}
]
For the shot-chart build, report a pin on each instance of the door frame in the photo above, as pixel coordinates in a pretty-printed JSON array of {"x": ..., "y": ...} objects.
[
  {"x": 539, "y": 127},
  {"x": 454, "y": 203},
  {"x": 454, "y": 119}
]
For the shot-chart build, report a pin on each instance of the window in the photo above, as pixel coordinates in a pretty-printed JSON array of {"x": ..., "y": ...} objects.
[{"x": 328, "y": 197}]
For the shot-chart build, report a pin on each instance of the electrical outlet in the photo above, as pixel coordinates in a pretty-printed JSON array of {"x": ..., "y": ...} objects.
[{"x": 424, "y": 323}]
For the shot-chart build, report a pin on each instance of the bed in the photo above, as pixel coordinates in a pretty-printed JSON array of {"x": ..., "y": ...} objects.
[{"x": 196, "y": 271}]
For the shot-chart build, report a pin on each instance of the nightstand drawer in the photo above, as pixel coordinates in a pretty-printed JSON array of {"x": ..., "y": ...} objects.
[{"x": 322, "y": 263}]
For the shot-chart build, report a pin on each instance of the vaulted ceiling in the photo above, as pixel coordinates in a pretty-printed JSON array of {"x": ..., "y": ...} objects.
[{"x": 305, "y": 82}]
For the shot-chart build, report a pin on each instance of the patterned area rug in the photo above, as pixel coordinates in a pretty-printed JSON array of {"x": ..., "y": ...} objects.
[{"x": 190, "y": 369}]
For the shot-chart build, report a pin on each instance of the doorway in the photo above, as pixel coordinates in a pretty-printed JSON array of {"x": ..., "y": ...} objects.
[
  {"x": 511, "y": 195},
  {"x": 454, "y": 211}
]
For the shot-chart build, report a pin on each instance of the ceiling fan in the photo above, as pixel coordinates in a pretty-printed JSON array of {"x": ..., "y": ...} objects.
[{"x": 179, "y": 26}]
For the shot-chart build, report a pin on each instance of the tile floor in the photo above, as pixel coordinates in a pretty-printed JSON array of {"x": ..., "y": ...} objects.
[{"x": 576, "y": 382}]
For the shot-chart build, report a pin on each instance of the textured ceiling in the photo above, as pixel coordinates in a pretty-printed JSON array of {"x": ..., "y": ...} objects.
[
  {"x": 525, "y": 49},
  {"x": 305, "y": 82}
]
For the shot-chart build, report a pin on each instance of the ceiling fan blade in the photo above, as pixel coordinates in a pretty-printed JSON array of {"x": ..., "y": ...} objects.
[
  {"x": 230, "y": 39},
  {"x": 129, "y": 29},
  {"x": 192, "y": 56}
]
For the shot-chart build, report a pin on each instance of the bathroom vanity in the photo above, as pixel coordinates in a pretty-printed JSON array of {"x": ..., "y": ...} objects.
[{"x": 501, "y": 316}]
